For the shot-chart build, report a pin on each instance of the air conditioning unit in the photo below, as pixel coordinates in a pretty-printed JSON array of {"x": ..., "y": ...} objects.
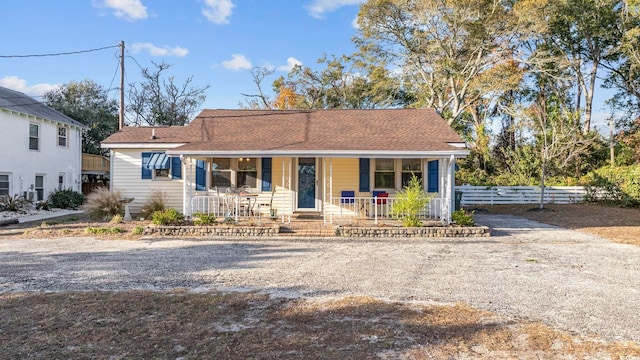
[{"x": 28, "y": 195}]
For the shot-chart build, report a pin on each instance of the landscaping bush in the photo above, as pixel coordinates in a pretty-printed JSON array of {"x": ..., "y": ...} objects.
[
  {"x": 66, "y": 199},
  {"x": 615, "y": 185},
  {"x": 410, "y": 202},
  {"x": 103, "y": 204},
  {"x": 138, "y": 230},
  {"x": 13, "y": 203},
  {"x": 117, "y": 219},
  {"x": 155, "y": 202},
  {"x": 463, "y": 218},
  {"x": 102, "y": 230},
  {"x": 167, "y": 217},
  {"x": 203, "y": 219}
]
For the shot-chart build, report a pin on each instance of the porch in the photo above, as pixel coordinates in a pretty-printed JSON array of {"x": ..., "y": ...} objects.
[{"x": 339, "y": 190}]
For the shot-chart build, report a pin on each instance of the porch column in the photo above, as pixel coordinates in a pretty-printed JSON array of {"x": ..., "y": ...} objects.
[
  {"x": 448, "y": 200},
  {"x": 331, "y": 190},
  {"x": 186, "y": 209}
]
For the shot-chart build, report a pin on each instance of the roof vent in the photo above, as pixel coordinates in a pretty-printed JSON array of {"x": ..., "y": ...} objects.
[{"x": 153, "y": 134}]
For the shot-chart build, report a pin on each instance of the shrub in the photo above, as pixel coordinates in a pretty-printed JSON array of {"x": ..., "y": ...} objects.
[
  {"x": 616, "y": 185},
  {"x": 410, "y": 202},
  {"x": 66, "y": 199},
  {"x": 155, "y": 202},
  {"x": 463, "y": 218},
  {"x": 13, "y": 203},
  {"x": 167, "y": 217},
  {"x": 117, "y": 219},
  {"x": 203, "y": 219},
  {"x": 103, "y": 204},
  {"x": 43, "y": 205},
  {"x": 102, "y": 230},
  {"x": 138, "y": 230}
]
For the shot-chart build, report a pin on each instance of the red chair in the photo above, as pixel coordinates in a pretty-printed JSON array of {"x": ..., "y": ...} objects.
[{"x": 381, "y": 194}]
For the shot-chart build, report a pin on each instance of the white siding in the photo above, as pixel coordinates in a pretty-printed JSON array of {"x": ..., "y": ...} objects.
[
  {"x": 126, "y": 176},
  {"x": 49, "y": 160}
]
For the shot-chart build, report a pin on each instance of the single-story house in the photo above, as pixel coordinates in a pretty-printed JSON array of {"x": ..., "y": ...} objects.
[{"x": 338, "y": 164}]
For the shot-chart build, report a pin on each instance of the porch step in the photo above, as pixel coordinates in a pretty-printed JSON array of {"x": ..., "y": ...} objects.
[
  {"x": 311, "y": 231},
  {"x": 308, "y": 216}
]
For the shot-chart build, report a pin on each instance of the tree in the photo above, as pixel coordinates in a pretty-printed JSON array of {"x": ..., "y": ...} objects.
[
  {"x": 158, "y": 101},
  {"x": 87, "y": 102}
]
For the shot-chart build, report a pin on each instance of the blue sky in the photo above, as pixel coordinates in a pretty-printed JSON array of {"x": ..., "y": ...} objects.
[{"x": 215, "y": 41}]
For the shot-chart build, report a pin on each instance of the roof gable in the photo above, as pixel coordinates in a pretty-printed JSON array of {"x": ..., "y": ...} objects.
[{"x": 18, "y": 102}]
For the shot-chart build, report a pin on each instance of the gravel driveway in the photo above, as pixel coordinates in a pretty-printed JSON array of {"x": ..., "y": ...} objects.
[{"x": 567, "y": 279}]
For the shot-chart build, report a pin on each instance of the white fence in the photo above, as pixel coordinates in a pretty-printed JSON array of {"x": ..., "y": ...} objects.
[{"x": 504, "y": 195}]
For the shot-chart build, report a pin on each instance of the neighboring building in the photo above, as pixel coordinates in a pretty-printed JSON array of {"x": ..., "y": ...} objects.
[
  {"x": 40, "y": 148},
  {"x": 327, "y": 162}
]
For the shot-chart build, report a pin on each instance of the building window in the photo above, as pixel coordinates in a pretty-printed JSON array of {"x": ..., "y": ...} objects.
[
  {"x": 221, "y": 172},
  {"x": 384, "y": 174},
  {"x": 39, "y": 187},
  {"x": 411, "y": 167},
  {"x": 60, "y": 181},
  {"x": 247, "y": 173},
  {"x": 34, "y": 137},
  {"x": 62, "y": 136},
  {"x": 4, "y": 185}
]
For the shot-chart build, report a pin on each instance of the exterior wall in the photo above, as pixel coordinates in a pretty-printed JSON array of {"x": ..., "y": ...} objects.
[
  {"x": 126, "y": 165},
  {"x": 22, "y": 165}
]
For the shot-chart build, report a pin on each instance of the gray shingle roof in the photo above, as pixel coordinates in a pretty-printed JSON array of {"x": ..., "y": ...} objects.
[{"x": 16, "y": 101}]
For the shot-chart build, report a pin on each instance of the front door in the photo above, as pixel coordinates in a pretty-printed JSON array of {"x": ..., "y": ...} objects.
[{"x": 307, "y": 183}]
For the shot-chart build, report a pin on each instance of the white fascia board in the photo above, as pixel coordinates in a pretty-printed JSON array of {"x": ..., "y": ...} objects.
[
  {"x": 324, "y": 153},
  {"x": 28, "y": 116},
  {"x": 141, "y": 146},
  {"x": 458, "y": 145}
]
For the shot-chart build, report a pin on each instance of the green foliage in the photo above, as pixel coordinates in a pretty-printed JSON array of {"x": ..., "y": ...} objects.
[
  {"x": 203, "y": 219},
  {"x": 66, "y": 199},
  {"x": 155, "y": 202},
  {"x": 103, "y": 204},
  {"x": 463, "y": 218},
  {"x": 43, "y": 205},
  {"x": 616, "y": 185},
  {"x": 410, "y": 203},
  {"x": 138, "y": 230},
  {"x": 102, "y": 230},
  {"x": 167, "y": 217}
]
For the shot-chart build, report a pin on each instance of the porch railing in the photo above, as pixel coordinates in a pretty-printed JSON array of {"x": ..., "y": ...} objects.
[
  {"x": 235, "y": 207},
  {"x": 343, "y": 209}
]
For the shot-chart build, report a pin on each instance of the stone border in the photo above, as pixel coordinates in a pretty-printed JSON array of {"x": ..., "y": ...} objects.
[
  {"x": 340, "y": 231},
  {"x": 220, "y": 230},
  {"x": 476, "y": 231}
]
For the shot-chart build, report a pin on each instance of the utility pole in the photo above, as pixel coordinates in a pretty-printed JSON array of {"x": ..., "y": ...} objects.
[{"x": 121, "y": 112}]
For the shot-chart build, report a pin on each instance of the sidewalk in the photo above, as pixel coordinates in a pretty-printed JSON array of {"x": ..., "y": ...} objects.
[{"x": 47, "y": 215}]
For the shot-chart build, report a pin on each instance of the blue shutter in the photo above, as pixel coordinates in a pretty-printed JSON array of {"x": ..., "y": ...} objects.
[
  {"x": 176, "y": 168},
  {"x": 266, "y": 174},
  {"x": 201, "y": 175},
  {"x": 146, "y": 172},
  {"x": 365, "y": 177},
  {"x": 432, "y": 176}
]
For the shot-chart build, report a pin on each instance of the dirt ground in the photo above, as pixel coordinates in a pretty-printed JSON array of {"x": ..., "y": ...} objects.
[
  {"x": 621, "y": 225},
  {"x": 188, "y": 325}
]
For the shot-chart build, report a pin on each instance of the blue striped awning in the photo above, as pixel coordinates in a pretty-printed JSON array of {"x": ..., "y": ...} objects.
[{"x": 158, "y": 161}]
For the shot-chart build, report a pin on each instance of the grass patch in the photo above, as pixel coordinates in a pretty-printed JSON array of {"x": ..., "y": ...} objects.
[{"x": 179, "y": 324}]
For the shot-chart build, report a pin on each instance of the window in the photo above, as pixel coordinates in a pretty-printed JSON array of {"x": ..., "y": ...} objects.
[
  {"x": 221, "y": 172},
  {"x": 247, "y": 173},
  {"x": 60, "y": 181},
  {"x": 4, "y": 185},
  {"x": 384, "y": 174},
  {"x": 40, "y": 187},
  {"x": 62, "y": 136},
  {"x": 160, "y": 166},
  {"x": 410, "y": 167},
  {"x": 34, "y": 137}
]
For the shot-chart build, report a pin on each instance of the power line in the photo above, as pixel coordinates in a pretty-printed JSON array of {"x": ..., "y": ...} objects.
[{"x": 60, "y": 53}]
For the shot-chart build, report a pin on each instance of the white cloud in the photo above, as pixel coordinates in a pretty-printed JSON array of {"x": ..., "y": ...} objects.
[
  {"x": 18, "y": 84},
  {"x": 320, "y": 7},
  {"x": 237, "y": 62},
  {"x": 291, "y": 63},
  {"x": 131, "y": 10},
  {"x": 218, "y": 11},
  {"x": 159, "y": 51}
]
